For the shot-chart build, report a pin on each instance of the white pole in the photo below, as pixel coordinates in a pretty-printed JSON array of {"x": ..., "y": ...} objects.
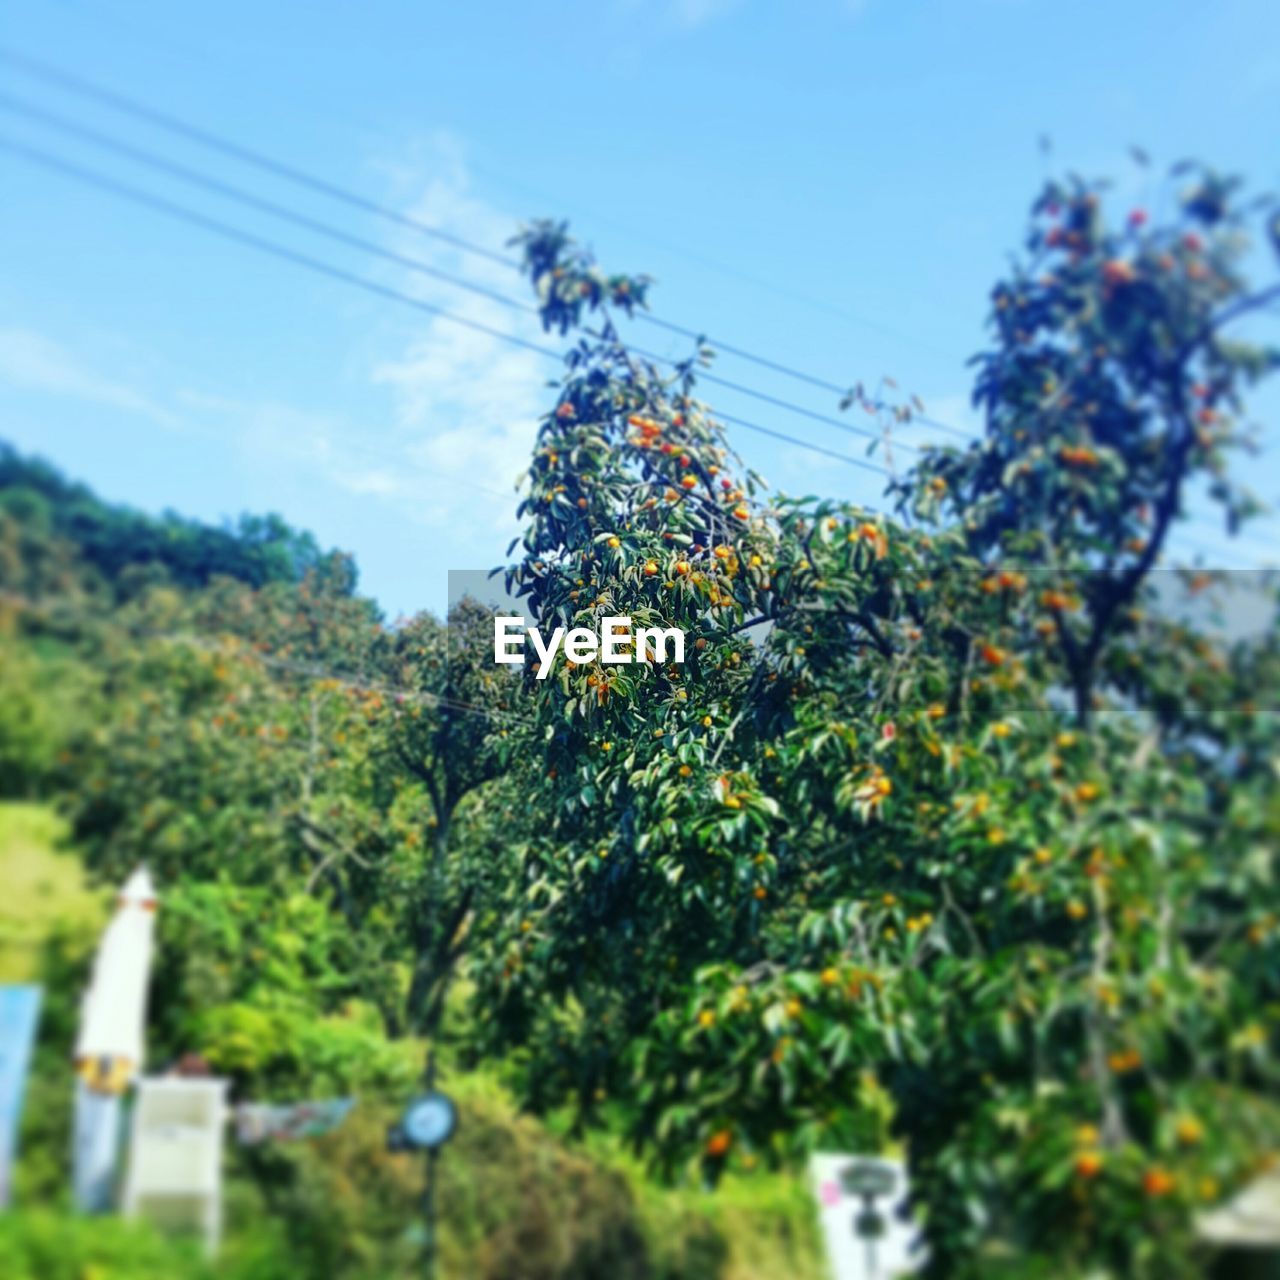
[{"x": 110, "y": 1048}]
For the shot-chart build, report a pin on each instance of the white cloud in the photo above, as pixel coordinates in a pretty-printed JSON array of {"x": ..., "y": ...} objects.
[
  {"x": 361, "y": 462},
  {"x": 30, "y": 361},
  {"x": 465, "y": 402}
]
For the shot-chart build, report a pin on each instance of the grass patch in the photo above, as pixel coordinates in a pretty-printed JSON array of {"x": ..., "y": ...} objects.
[{"x": 43, "y": 886}]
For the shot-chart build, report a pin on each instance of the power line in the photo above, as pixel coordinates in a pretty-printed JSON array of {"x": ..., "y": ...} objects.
[
  {"x": 169, "y": 46},
  {"x": 251, "y": 200},
  {"x": 778, "y": 367},
  {"x": 264, "y": 245},
  {"x": 232, "y": 191},
  {"x": 726, "y": 269},
  {"x": 778, "y": 403},
  {"x": 246, "y": 155},
  {"x": 273, "y": 248},
  {"x": 158, "y": 203}
]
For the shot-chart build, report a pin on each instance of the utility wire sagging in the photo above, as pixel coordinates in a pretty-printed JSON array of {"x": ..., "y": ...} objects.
[{"x": 321, "y": 186}]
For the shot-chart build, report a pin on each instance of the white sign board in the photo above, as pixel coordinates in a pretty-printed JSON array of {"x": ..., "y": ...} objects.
[
  {"x": 175, "y": 1163},
  {"x": 862, "y": 1202}
]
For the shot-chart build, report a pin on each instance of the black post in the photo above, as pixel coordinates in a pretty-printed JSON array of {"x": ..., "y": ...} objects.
[
  {"x": 429, "y": 1216},
  {"x": 429, "y": 1189}
]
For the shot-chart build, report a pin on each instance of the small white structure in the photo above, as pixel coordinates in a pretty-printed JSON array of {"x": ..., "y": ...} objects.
[
  {"x": 175, "y": 1161},
  {"x": 863, "y": 1205},
  {"x": 111, "y": 1045},
  {"x": 1251, "y": 1220}
]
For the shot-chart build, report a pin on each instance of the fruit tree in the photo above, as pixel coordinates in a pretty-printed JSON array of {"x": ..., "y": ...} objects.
[{"x": 955, "y": 830}]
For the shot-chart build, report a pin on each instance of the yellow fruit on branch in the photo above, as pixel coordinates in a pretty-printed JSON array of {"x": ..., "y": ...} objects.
[{"x": 1189, "y": 1131}]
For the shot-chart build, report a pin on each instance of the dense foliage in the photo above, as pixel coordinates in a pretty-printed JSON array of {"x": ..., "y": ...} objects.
[
  {"x": 955, "y": 834},
  {"x": 949, "y": 817}
]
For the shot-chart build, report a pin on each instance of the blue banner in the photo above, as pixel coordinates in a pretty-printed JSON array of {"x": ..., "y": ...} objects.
[{"x": 19, "y": 1010}]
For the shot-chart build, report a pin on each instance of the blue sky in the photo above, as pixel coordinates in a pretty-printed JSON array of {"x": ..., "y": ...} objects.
[{"x": 834, "y": 183}]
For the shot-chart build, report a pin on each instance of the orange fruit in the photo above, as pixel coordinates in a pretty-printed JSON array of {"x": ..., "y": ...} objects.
[{"x": 719, "y": 1143}]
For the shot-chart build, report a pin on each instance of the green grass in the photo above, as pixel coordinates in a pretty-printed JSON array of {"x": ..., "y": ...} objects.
[{"x": 41, "y": 886}]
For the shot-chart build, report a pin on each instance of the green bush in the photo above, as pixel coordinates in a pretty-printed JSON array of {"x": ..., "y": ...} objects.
[
  {"x": 48, "y": 1245},
  {"x": 44, "y": 1245},
  {"x": 513, "y": 1201}
]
